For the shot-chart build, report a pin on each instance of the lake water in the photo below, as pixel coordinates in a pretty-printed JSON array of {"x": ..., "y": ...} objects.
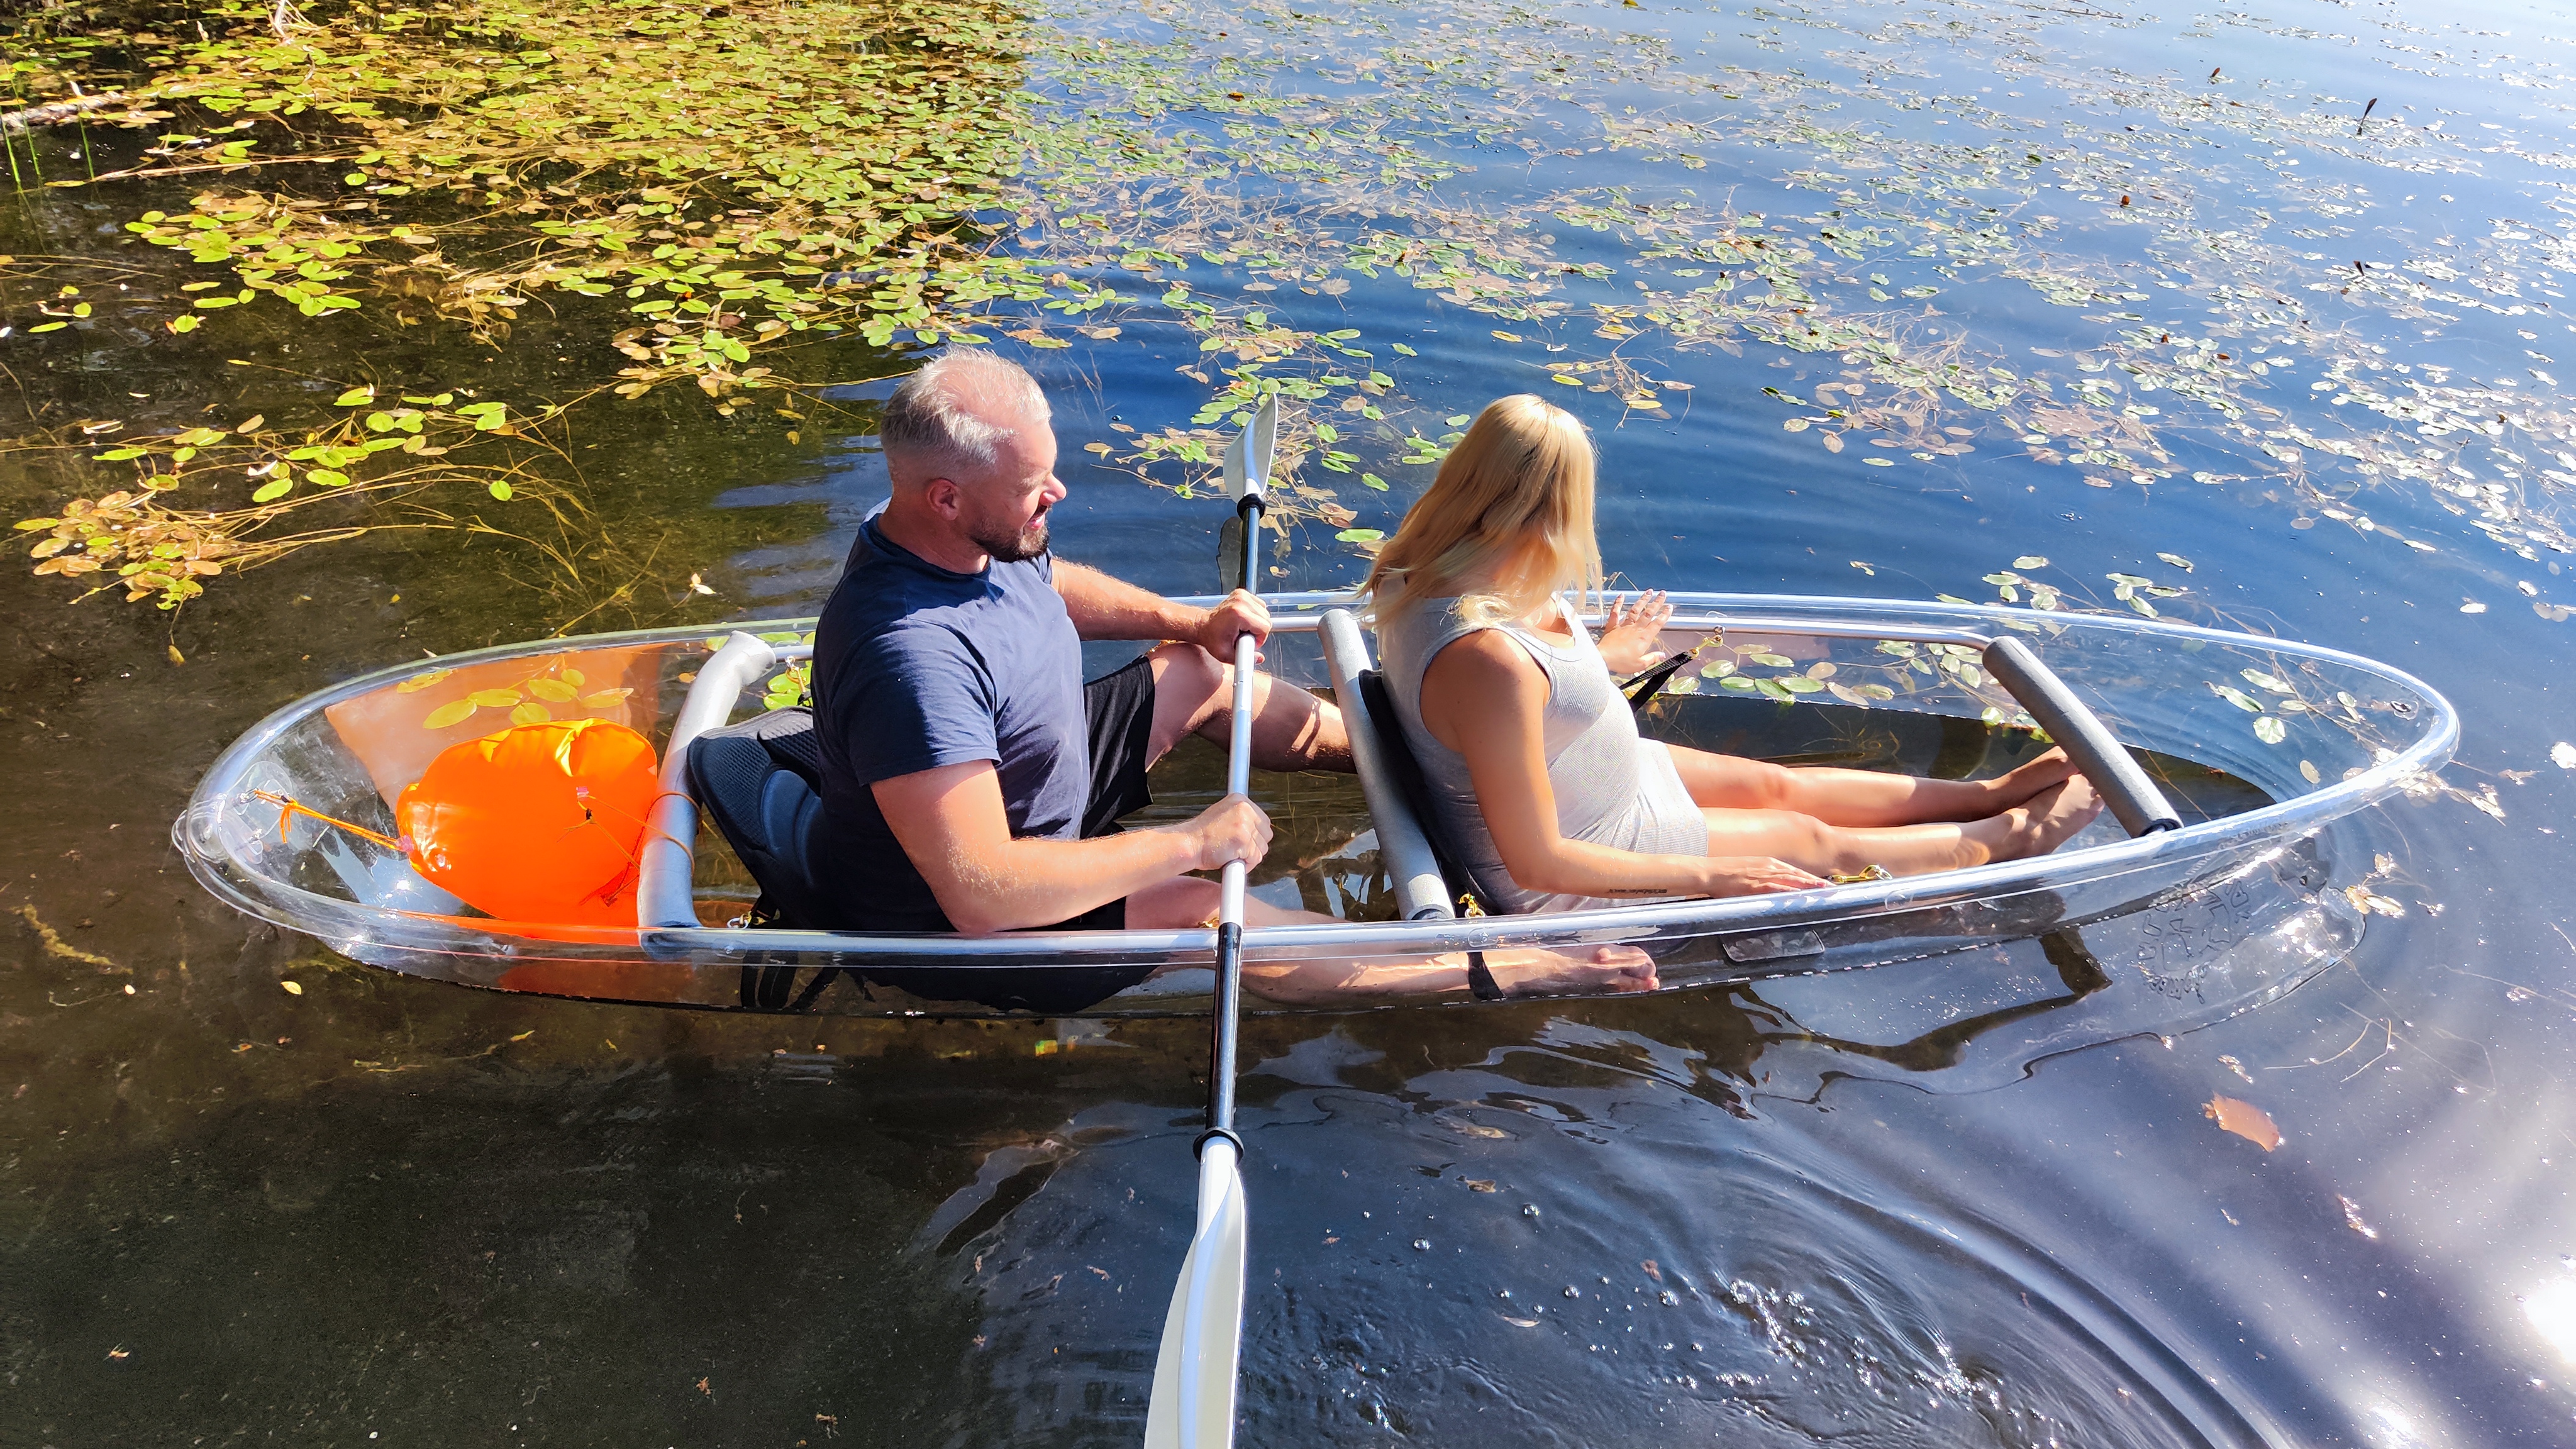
[{"x": 2258, "y": 310}]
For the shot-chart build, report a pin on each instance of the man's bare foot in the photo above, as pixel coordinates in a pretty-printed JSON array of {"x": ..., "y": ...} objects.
[
  {"x": 1530, "y": 972},
  {"x": 2050, "y": 819},
  {"x": 2028, "y": 779}
]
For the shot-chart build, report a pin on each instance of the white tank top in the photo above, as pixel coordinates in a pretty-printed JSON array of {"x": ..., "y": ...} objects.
[{"x": 1611, "y": 786}]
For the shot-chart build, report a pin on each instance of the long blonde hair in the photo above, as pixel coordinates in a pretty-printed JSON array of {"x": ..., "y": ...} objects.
[{"x": 1506, "y": 524}]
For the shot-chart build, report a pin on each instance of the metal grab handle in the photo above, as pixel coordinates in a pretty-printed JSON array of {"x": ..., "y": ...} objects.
[{"x": 2135, "y": 801}]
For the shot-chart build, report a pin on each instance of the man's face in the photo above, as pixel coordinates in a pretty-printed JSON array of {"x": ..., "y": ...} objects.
[{"x": 1004, "y": 511}]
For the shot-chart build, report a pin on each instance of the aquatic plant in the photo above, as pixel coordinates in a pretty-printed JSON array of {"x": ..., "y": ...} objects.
[{"x": 770, "y": 199}]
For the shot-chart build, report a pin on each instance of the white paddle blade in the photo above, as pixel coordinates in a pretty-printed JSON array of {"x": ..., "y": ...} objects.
[
  {"x": 1194, "y": 1375},
  {"x": 1265, "y": 439},
  {"x": 1237, "y": 470},
  {"x": 1247, "y": 458}
]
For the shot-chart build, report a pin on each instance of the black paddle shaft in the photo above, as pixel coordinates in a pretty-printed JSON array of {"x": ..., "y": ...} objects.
[{"x": 1228, "y": 1007}]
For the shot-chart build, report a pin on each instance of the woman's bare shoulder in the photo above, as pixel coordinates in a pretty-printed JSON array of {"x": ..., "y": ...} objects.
[{"x": 1485, "y": 662}]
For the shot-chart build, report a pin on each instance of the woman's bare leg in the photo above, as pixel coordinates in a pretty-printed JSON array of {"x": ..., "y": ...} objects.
[
  {"x": 1186, "y": 901},
  {"x": 1859, "y": 797},
  {"x": 2033, "y": 828}
]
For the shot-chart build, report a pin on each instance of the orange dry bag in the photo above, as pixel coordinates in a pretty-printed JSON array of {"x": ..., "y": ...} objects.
[{"x": 540, "y": 822}]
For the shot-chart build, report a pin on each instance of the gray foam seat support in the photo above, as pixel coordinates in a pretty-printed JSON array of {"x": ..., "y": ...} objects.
[
  {"x": 2135, "y": 801},
  {"x": 665, "y": 894},
  {"x": 1420, "y": 892}
]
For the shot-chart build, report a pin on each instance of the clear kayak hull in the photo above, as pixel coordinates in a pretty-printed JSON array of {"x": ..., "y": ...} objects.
[{"x": 2304, "y": 735}]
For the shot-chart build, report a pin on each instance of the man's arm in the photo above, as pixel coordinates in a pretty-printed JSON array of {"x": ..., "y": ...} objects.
[
  {"x": 1107, "y": 608},
  {"x": 951, "y": 823}
]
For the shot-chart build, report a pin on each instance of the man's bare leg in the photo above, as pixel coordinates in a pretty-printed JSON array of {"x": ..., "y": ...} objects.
[
  {"x": 1291, "y": 729},
  {"x": 1187, "y": 901},
  {"x": 1859, "y": 797}
]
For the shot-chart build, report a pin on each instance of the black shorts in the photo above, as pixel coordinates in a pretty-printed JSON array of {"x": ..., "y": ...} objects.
[{"x": 1118, "y": 711}]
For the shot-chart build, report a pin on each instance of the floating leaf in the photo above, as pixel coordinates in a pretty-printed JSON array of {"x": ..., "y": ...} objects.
[
  {"x": 553, "y": 691},
  {"x": 1360, "y": 535},
  {"x": 2030, "y": 561},
  {"x": 2177, "y": 560},
  {"x": 452, "y": 713},
  {"x": 531, "y": 713},
  {"x": 355, "y": 397},
  {"x": 2244, "y": 1119},
  {"x": 419, "y": 682},
  {"x": 604, "y": 698},
  {"x": 2269, "y": 730},
  {"x": 494, "y": 698},
  {"x": 572, "y": 676},
  {"x": 2308, "y": 771}
]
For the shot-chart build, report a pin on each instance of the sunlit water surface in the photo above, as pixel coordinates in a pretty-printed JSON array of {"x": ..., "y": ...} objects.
[{"x": 373, "y": 1211}]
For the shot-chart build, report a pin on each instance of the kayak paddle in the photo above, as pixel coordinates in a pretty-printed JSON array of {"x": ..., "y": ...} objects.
[{"x": 1194, "y": 1375}]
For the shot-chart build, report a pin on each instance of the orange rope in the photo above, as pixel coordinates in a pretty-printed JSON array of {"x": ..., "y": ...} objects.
[
  {"x": 582, "y": 792},
  {"x": 287, "y": 810}
]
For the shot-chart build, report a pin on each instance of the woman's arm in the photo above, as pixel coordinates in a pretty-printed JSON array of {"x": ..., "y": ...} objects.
[{"x": 1484, "y": 698}]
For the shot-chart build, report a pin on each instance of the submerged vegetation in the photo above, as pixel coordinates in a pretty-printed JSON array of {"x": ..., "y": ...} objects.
[{"x": 760, "y": 201}]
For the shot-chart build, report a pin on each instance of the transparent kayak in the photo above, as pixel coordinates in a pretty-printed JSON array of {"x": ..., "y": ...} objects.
[{"x": 2255, "y": 744}]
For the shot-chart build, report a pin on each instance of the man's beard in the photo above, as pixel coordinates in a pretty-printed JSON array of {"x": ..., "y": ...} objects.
[{"x": 1020, "y": 547}]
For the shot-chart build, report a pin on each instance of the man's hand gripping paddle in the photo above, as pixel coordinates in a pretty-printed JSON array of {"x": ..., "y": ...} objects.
[{"x": 1194, "y": 1376}]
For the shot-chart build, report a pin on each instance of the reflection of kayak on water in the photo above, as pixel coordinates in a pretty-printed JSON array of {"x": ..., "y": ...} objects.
[{"x": 2246, "y": 746}]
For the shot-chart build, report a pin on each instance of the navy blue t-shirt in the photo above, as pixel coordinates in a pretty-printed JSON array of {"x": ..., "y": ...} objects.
[{"x": 916, "y": 667}]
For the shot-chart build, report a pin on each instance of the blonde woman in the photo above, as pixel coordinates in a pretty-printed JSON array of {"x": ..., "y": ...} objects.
[{"x": 1538, "y": 776}]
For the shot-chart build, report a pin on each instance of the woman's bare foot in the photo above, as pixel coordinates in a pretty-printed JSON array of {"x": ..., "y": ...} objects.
[
  {"x": 2049, "y": 820},
  {"x": 2028, "y": 779},
  {"x": 1531, "y": 972}
]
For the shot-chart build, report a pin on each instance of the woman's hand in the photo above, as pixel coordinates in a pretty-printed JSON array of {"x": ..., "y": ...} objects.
[
  {"x": 1754, "y": 875},
  {"x": 1629, "y": 638}
]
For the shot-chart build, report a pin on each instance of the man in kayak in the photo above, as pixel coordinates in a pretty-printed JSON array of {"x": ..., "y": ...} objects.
[{"x": 973, "y": 782}]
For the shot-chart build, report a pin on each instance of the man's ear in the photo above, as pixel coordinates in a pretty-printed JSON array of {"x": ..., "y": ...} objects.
[{"x": 944, "y": 497}]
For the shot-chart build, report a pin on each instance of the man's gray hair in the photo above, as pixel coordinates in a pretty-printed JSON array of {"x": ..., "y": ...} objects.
[{"x": 928, "y": 421}]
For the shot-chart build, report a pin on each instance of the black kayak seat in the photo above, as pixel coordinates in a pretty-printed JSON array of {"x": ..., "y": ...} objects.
[
  {"x": 761, "y": 782},
  {"x": 1397, "y": 752}
]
